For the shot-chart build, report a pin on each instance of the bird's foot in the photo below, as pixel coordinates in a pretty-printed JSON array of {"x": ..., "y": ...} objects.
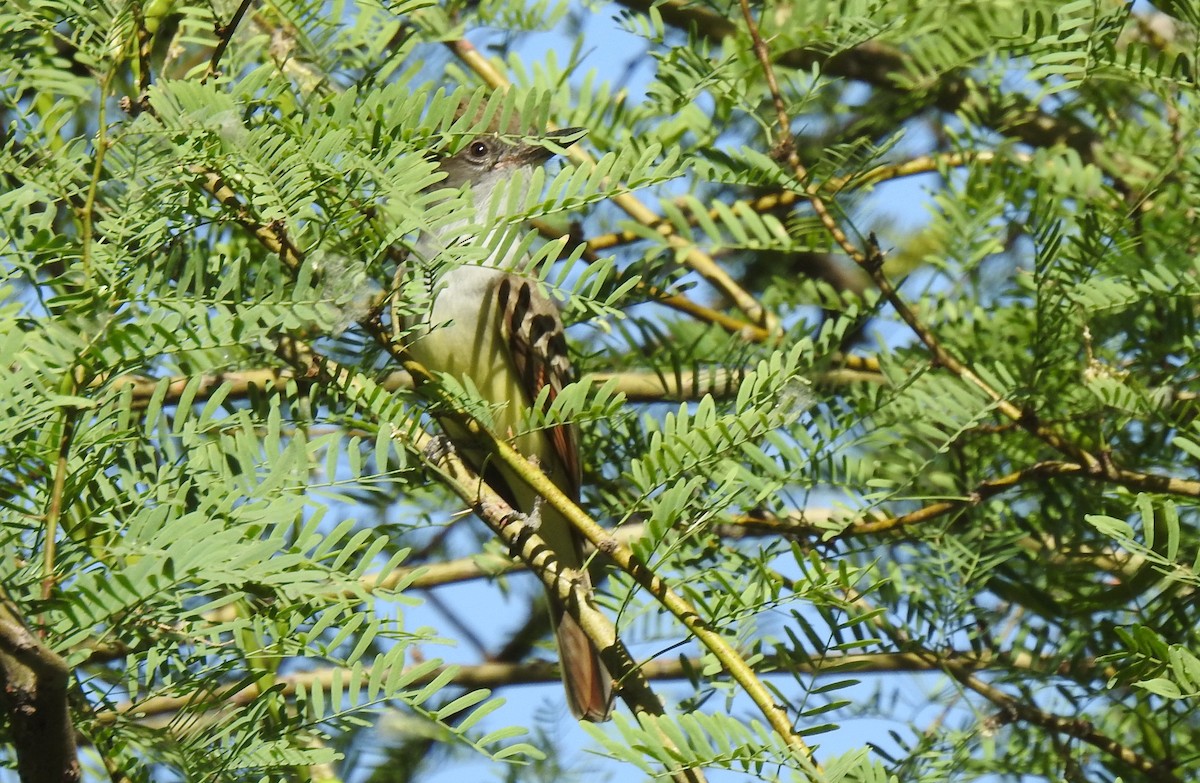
[{"x": 533, "y": 520}]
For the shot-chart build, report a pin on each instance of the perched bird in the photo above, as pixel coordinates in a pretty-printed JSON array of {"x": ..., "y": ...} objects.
[{"x": 490, "y": 324}]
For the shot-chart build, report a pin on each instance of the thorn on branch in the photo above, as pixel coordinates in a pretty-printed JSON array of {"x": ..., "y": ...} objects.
[
  {"x": 1029, "y": 420},
  {"x": 782, "y": 150},
  {"x": 279, "y": 228},
  {"x": 135, "y": 106},
  {"x": 875, "y": 255},
  {"x": 1007, "y": 714}
]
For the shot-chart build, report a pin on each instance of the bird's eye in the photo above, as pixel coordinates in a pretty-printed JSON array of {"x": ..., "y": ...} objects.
[{"x": 478, "y": 149}]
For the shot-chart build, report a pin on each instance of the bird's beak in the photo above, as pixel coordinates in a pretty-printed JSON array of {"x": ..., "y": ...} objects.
[
  {"x": 545, "y": 147},
  {"x": 565, "y": 137}
]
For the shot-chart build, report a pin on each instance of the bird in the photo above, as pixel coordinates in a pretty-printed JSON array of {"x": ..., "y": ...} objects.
[{"x": 488, "y": 323}]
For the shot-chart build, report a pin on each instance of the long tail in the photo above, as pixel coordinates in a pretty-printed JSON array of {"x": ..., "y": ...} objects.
[{"x": 588, "y": 684}]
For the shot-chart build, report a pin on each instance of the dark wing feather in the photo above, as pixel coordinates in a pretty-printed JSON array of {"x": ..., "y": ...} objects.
[
  {"x": 539, "y": 353},
  {"x": 539, "y": 349}
]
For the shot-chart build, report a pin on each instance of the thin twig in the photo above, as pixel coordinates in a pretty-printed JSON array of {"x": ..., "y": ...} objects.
[
  {"x": 271, "y": 235},
  {"x": 66, "y": 438},
  {"x": 1012, "y": 708},
  {"x": 145, "y": 41},
  {"x": 87, "y": 211},
  {"x": 744, "y": 329},
  {"x": 787, "y": 146},
  {"x": 871, "y": 260},
  {"x": 224, "y": 35},
  {"x": 672, "y": 384},
  {"x": 645, "y": 386},
  {"x": 885, "y": 66},
  {"x": 923, "y": 164}
]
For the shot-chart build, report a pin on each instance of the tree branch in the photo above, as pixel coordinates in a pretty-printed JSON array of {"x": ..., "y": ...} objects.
[
  {"x": 33, "y": 695},
  {"x": 1012, "y": 708},
  {"x": 922, "y": 164},
  {"x": 883, "y": 66},
  {"x": 637, "y": 386},
  {"x": 521, "y": 539},
  {"x": 625, "y": 559},
  {"x": 494, "y": 675}
]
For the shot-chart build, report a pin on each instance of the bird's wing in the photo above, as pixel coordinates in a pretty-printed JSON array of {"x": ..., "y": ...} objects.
[{"x": 539, "y": 350}]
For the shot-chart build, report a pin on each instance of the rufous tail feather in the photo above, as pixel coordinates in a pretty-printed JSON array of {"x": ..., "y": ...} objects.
[{"x": 587, "y": 682}]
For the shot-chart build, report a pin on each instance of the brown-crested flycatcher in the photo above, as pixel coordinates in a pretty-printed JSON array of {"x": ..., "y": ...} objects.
[{"x": 490, "y": 324}]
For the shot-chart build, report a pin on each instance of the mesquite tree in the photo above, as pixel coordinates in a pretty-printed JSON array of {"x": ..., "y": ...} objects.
[{"x": 884, "y": 323}]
